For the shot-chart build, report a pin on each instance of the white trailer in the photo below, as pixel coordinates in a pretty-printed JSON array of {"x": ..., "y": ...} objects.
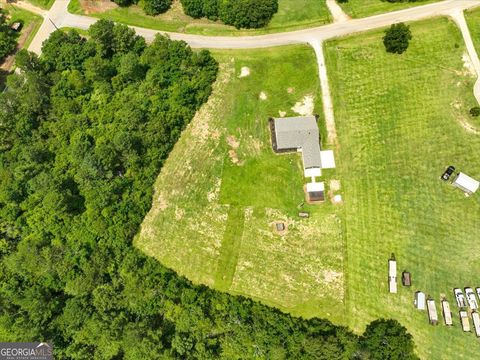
[
  {"x": 447, "y": 314},
  {"x": 392, "y": 276},
  {"x": 460, "y": 298},
  {"x": 472, "y": 301},
  {"x": 419, "y": 300},
  {"x": 464, "y": 321},
  {"x": 476, "y": 323},
  {"x": 432, "y": 312}
]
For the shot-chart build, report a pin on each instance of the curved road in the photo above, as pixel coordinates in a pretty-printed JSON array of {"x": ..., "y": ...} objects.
[{"x": 59, "y": 16}]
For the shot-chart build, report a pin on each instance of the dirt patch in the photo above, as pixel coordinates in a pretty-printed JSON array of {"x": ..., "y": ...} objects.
[
  {"x": 233, "y": 142},
  {"x": 179, "y": 213},
  {"x": 262, "y": 96},
  {"x": 304, "y": 107},
  {"x": 244, "y": 72},
  {"x": 97, "y": 6},
  {"x": 331, "y": 276},
  {"x": 468, "y": 65},
  {"x": 334, "y": 185},
  {"x": 290, "y": 90}
]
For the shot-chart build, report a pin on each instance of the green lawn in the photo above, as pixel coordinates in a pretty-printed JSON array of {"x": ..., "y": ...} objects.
[
  {"x": 44, "y": 4},
  {"x": 401, "y": 120},
  {"x": 364, "y": 8},
  {"x": 473, "y": 20},
  {"x": 291, "y": 15},
  {"x": 222, "y": 189}
]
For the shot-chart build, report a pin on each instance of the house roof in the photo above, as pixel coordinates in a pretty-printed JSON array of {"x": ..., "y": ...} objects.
[
  {"x": 300, "y": 132},
  {"x": 466, "y": 183}
]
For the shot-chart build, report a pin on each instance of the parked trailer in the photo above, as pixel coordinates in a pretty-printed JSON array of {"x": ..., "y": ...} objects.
[
  {"x": 476, "y": 323},
  {"x": 447, "y": 314},
  {"x": 478, "y": 291},
  {"x": 464, "y": 321},
  {"x": 392, "y": 275},
  {"x": 406, "y": 278},
  {"x": 419, "y": 300},
  {"x": 460, "y": 298},
  {"x": 432, "y": 312},
  {"x": 472, "y": 301}
]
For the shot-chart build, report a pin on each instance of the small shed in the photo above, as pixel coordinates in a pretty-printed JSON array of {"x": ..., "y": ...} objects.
[
  {"x": 406, "y": 278},
  {"x": 392, "y": 275},
  {"x": 419, "y": 300},
  {"x": 447, "y": 314},
  {"x": 464, "y": 321},
  {"x": 432, "y": 311},
  {"x": 467, "y": 184},
  {"x": 16, "y": 26},
  {"x": 316, "y": 191}
]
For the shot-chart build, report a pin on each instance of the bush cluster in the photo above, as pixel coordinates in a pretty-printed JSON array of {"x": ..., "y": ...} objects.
[
  {"x": 8, "y": 38},
  {"x": 151, "y": 7}
]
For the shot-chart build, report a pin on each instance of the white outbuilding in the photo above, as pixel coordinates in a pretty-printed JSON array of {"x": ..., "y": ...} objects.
[{"x": 466, "y": 183}]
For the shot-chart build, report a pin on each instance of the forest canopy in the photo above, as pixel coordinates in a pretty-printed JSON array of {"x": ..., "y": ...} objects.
[{"x": 84, "y": 131}]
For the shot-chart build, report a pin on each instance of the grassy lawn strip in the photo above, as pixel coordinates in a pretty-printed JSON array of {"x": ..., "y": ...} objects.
[
  {"x": 228, "y": 255},
  {"x": 364, "y": 8},
  {"x": 473, "y": 21},
  {"x": 222, "y": 190},
  {"x": 44, "y": 4},
  {"x": 400, "y": 121},
  {"x": 291, "y": 15}
]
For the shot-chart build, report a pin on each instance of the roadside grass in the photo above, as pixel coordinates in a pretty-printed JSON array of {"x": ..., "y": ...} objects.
[
  {"x": 44, "y": 4},
  {"x": 364, "y": 8},
  {"x": 473, "y": 21},
  {"x": 400, "y": 123},
  {"x": 222, "y": 189},
  {"x": 291, "y": 15}
]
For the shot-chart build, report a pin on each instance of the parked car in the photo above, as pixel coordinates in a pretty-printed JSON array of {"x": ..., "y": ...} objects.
[{"x": 446, "y": 175}]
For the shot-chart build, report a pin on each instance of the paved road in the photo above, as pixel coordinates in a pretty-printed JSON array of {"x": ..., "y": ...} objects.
[{"x": 60, "y": 16}]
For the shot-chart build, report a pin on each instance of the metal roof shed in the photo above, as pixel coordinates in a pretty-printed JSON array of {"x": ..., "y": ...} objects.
[{"x": 466, "y": 183}]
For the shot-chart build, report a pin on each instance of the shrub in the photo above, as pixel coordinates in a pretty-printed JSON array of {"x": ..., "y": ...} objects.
[
  {"x": 475, "y": 111},
  {"x": 397, "y": 37},
  {"x": 155, "y": 7}
]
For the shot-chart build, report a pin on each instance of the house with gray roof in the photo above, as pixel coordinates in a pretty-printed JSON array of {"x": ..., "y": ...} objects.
[{"x": 301, "y": 134}]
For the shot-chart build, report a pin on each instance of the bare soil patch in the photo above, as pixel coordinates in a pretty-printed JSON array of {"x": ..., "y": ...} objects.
[{"x": 97, "y": 6}]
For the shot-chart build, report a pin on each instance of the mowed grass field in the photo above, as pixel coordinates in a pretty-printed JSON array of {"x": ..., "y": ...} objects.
[
  {"x": 364, "y": 8},
  {"x": 401, "y": 120},
  {"x": 291, "y": 15},
  {"x": 222, "y": 190},
  {"x": 473, "y": 21}
]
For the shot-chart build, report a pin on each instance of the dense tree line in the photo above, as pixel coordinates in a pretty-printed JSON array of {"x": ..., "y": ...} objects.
[
  {"x": 239, "y": 13},
  {"x": 8, "y": 37},
  {"x": 84, "y": 131}
]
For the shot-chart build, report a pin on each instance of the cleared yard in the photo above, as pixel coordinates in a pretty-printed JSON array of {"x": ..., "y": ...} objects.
[
  {"x": 222, "y": 190},
  {"x": 400, "y": 122},
  {"x": 364, "y": 8},
  {"x": 291, "y": 15}
]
